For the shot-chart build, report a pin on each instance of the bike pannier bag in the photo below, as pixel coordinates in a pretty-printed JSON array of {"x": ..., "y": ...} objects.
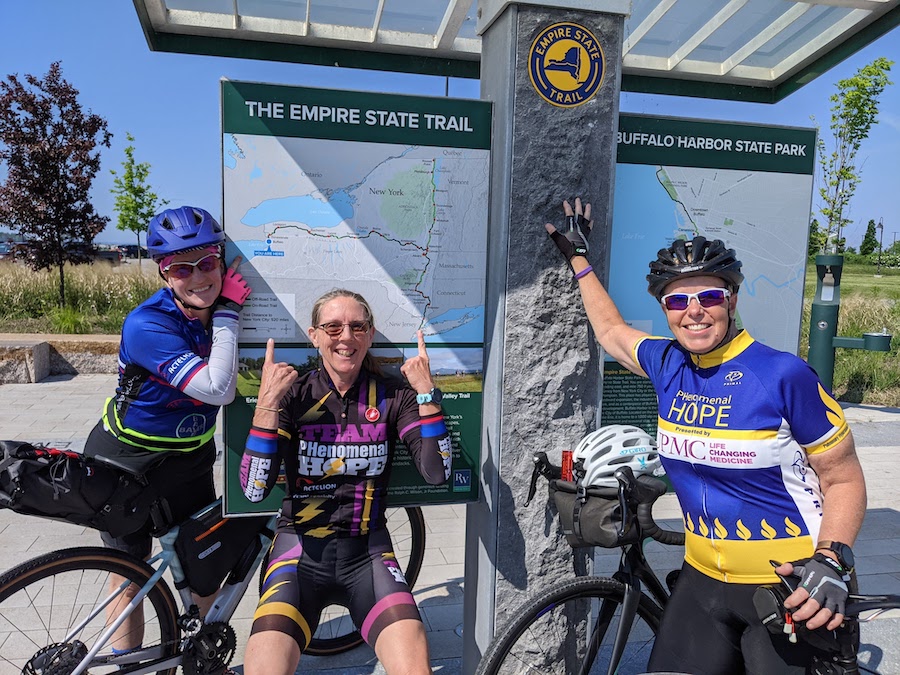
[
  {"x": 63, "y": 485},
  {"x": 592, "y": 518},
  {"x": 210, "y": 546}
]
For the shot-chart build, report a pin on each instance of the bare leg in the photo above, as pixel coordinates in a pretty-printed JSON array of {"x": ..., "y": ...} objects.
[
  {"x": 271, "y": 653},
  {"x": 403, "y": 649},
  {"x": 131, "y": 633}
]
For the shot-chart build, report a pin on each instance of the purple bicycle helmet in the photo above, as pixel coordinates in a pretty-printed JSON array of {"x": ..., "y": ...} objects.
[
  {"x": 697, "y": 258},
  {"x": 182, "y": 229}
]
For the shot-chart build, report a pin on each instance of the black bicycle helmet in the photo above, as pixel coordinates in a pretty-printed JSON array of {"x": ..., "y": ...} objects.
[{"x": 697, "y": 258}]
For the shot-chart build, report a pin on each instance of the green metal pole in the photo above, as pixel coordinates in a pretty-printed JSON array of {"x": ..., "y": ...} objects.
[{"x": 824, "y": 316}]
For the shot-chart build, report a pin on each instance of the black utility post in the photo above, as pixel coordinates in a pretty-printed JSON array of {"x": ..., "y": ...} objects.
[{"x": 880, "y": 227}]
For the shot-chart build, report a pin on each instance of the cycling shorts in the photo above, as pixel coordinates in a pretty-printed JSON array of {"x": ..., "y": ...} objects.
[
  {"x": 711, "y": 627},
  {"x": 305, "y": 574}
]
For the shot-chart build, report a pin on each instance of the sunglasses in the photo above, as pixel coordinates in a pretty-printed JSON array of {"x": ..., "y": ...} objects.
[
  {"x": 333, "y": 328},
  {"x": 183, "y": 270},
  {"x": 708, "y": 297}
]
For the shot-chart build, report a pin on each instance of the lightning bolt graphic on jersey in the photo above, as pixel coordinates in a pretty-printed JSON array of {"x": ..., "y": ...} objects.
[
  {"x": 311, "y": 509},
  {"x": 315, "y": 412}
]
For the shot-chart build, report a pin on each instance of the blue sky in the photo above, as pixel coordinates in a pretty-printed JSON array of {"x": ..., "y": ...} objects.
[{"x": 170, "y": 102}]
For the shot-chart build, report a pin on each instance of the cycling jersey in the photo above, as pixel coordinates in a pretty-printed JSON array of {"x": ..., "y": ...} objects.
[
  {"x": 161, "y": 351},
  {"x": 337, "y": 452},
  {"x": 736, "y": 427}
]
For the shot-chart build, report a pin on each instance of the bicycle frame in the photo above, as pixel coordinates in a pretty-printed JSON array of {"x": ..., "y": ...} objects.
[{"x": 226, "y": 602}]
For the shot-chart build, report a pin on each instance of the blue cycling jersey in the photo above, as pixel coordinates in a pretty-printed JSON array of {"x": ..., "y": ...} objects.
[
  {"x": 161, "y": 350},
  {"x": 736, "y": 427}
]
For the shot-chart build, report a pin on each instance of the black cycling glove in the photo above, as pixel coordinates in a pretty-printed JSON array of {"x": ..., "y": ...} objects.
[
  {"x": 573, "y": 241},
  {"x": 825, "y": 580}
]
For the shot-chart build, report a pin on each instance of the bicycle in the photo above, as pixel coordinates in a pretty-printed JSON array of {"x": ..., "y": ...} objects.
[
  {"x": 593, "y": 625},
  {"x": 54, "y": 609}
]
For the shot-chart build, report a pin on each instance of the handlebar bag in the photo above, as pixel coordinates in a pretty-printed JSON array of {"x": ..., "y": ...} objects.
[
  {"x": 592, "y": 518},
  {"x": 210, "y": 546},
  {"x": 64, "y": 485}
]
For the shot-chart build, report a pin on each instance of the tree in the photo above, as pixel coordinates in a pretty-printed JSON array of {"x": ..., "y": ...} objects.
[
  {"x": 48, "y": 145},
  {"x": 854, "y": 111},
  {"x": 817, "y": 238},
  {"x": 136, "y": 202},
  {"x": 870, "y": 241}
]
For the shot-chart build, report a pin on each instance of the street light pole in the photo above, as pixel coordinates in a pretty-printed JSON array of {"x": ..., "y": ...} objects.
[{"x": 880, "y": 240}]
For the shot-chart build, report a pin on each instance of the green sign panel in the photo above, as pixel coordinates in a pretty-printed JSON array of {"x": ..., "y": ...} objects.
[{"x": 381, "y": 194}]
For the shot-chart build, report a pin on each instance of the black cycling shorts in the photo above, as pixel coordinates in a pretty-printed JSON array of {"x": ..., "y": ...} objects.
[
  {"x": 711, "y": 628},
  {"x": 304, "y": 574}
]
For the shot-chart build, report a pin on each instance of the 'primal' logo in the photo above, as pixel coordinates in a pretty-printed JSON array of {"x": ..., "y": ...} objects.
[{"x": 566, "y": 64}]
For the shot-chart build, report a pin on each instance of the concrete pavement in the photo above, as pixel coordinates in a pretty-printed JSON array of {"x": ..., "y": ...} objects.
[{"x": 62, "y": 410}]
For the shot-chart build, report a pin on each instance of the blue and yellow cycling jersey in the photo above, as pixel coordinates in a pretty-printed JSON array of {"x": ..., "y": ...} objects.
[
  {"x": 161, "y": 350},
  {"x": 736, "y": 427}
]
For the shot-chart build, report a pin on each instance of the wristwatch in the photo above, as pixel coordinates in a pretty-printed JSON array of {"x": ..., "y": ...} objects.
[
  {"x": 433, "y": 396},
  {"x": 843, "y": 552}
]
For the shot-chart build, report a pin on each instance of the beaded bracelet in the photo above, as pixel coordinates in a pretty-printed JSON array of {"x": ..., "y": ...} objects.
[
  {"x": 584, "y": 272},
  {"x": 274, "y": 410}
]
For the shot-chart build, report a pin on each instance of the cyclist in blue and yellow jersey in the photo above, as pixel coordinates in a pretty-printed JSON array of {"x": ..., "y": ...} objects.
[
  {"x": 759, "y": 453},
  {"x": 335, "y": 429},
  {"x": 177, "y": 367}
]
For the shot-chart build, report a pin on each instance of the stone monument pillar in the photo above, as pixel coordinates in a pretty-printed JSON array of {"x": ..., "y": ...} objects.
[{"x": 553, "y": 77}]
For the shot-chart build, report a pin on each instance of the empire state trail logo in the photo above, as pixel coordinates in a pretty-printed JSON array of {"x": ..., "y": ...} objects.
[{"x": 566, "y": 64}]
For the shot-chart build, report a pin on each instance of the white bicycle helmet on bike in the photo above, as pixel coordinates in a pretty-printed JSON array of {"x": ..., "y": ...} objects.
[{"x": 601, "y": 452}]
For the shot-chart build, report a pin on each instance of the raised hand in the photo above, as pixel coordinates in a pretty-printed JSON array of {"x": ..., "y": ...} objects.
[
  {"x": 417, "y": 369},
  {"x": 276, "y": 380},
  {"x": 573, "y": 242},
  {"x": 234, "y": 289}
]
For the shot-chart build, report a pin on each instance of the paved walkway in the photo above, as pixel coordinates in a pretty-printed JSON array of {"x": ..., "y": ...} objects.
[{"x": 63, "y": 409}]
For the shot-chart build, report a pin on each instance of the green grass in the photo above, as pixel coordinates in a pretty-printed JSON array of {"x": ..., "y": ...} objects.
[{"x": 98, "y": 297}]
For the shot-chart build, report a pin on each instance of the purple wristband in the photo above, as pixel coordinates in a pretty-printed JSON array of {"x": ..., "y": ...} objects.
[{"x": 584, "y": 272}]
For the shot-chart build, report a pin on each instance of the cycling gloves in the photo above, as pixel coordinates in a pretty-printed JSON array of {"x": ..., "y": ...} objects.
[
  {"x": 573, "y": 241},
  {"x": 825, "y": 581}
]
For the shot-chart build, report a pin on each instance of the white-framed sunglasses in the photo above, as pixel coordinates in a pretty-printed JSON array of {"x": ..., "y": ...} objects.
[
  {"x": 708, "y": 297},
  {"x": 183, "y": 270}
]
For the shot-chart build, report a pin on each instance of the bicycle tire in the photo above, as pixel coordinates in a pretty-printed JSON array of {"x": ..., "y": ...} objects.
[
  {"x": 42, "y": 600},
  {"x": 535, "y": 641},
  {"x": 336, "y": 632}
]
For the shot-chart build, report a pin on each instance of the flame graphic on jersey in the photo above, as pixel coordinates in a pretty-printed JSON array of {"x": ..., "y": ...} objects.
[
  {"x": 767, "y": 530},
  {"x": 720, "y": 530},
  {"x": 315, "y": 412},
  {"x": 791, "y": 528},
  {"x": 704, "y": 530},
  {"x": 310, "y": 510},
  {"x": 742, "y": 531},
  {"x": 835, "y": 415},
  {"x": 688, "y": 522}
]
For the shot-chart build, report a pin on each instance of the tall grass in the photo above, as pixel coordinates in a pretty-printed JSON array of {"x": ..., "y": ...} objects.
[{"x": 98, "y": 297}]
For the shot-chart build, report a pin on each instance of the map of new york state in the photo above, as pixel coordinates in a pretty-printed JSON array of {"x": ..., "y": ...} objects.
[{"x": 405, "y": 226}]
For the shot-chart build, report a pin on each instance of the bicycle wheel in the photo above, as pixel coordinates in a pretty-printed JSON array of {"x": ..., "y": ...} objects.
[
  {"x": 336, "y": 632},
  {"x": 553, "y": 633},
  {"x": 52, "y": 612}
]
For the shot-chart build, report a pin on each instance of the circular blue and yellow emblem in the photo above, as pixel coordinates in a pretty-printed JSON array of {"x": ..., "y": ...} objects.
[{"x": 566, "y": 64}]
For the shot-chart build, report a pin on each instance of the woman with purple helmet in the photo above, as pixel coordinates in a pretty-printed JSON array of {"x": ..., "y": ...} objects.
[{"x": 177, "y": 367}]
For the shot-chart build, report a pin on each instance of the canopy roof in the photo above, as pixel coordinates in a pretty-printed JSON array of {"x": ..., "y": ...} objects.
[{"x": 755, "y": 50}]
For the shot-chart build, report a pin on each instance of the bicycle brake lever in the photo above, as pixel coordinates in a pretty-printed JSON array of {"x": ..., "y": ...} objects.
[{"x": 538, "y": 459}]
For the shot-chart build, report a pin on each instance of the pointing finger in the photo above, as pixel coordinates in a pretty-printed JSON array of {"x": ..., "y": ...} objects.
[
  {"x": 235, "y": 263},
  {"x": 270, "y": 351},
  {"x": 422, "y": 351}
]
